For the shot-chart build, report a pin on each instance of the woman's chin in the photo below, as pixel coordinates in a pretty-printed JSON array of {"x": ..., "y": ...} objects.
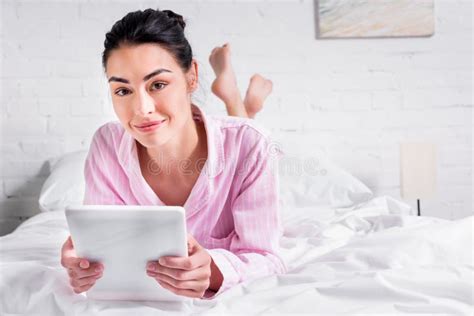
[{"x": 151, "y": 140}]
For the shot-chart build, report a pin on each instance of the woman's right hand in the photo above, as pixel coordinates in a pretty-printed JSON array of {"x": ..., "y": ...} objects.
[{"x": 82, "y": 273}]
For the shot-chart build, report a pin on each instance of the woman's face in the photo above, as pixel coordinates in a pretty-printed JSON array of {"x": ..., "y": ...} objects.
[{"x": 148, "y": 86}]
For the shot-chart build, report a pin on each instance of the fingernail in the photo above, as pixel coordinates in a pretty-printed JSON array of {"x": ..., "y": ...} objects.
[
  {"x": 84, "y": 264},
  {"x": 152, "y": 266},
  {"x": 98, "y": 269}
]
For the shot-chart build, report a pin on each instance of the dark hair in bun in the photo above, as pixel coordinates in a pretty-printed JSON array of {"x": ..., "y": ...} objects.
[
  {"x": 164, "y": 28},
  {"x": 174, "y": 16}
]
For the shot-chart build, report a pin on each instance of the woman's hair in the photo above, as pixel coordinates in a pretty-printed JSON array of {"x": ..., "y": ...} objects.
[{"x": 164, "y": 28}]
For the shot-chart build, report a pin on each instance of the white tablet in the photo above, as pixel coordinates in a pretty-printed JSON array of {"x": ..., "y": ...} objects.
[{"x": 124, "y": 238}]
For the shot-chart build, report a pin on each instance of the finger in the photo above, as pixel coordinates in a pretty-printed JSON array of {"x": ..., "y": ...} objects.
[
  {"x": 71, "y": 273},
  {"x": 93, "y": 269},
  {"x": 182, "y": 292},
  {"x": 84, "y": 264},
  {"x": 68, "y": 243},
  {"x": 70, "y": 261},
  {"x": 181, "y": 263},
  {"x": 89, "y": 273},
  {"x": 84, "y": 281},
  {"x": 196, "y": 285},
  {"x": 193, "y": 245},
  {"x": 76, "y": 263},
  {"x": 81, "y": 289},
  {"x": 202, "y": 273},
  {"x": 68, "y": 247},
  {"x": 197, "y": 258},
  {"x": 67, "y": 252},
  {"x": 168, "y": 271}
]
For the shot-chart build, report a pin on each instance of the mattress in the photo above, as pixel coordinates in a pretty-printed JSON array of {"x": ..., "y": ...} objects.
[{"x": 368, "y": 259}]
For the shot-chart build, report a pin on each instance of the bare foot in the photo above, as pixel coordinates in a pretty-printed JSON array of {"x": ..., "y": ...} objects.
[
  {"x": 225, "y": 84},
  {"x": 258, "y": 90}
]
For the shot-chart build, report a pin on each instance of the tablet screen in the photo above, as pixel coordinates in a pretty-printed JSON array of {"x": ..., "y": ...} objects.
[{"x": 124, "y": 238}]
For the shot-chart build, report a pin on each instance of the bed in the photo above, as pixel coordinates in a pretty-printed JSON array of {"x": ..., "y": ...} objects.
[{"x": 347, "y": 251}]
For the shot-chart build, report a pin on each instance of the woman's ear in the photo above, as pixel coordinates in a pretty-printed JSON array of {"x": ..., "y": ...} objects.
[{"x": 192, "y": 76}]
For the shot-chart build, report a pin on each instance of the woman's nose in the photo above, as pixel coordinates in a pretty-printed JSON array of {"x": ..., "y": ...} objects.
[{"x": 145, "y": 103}]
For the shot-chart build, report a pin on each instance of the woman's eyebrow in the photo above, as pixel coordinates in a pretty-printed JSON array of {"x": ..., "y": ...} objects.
[{"x": 150, "y": 75}]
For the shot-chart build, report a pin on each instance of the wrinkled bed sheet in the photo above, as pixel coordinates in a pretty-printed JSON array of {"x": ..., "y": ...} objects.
[{"x": 369, "y": 259}]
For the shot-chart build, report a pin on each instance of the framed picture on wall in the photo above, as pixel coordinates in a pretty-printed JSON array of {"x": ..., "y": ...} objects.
[{"x": 375, "y": 18}]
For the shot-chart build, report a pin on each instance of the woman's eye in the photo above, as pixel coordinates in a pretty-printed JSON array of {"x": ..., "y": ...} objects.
[
  {"x": 158, "y": 86},
  {"x": 121, "y": 92}
]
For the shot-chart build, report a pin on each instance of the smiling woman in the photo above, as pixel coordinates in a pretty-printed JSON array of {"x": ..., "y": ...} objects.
[
  {"x": 165, "y": 151},
  {"x": 163, "y": 95}
]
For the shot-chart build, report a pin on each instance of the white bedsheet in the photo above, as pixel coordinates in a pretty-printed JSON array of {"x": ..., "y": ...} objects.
[{"x": 373, "y": 259}]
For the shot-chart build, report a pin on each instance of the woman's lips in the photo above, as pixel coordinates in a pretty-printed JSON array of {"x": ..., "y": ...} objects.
[{"x": 149, "y": 126}]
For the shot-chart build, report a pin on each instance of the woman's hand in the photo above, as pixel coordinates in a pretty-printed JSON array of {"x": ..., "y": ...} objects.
[
  {"x": 82, "y": 274},
  {"x": 187, "y": 276}
]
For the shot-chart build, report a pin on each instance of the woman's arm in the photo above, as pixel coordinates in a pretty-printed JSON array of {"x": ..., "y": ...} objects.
[
  {"x": 254, "y": 246},
  {"x": 254, "y": 249}
]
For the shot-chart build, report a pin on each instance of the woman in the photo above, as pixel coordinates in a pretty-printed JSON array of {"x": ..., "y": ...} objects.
[{"x": 165, "y": 151}]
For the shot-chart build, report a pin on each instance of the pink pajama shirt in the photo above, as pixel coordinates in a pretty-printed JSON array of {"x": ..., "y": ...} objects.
[{"x": 232, "y": 210}]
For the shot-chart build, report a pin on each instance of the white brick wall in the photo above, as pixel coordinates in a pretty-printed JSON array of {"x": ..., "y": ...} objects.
[{"x": 356, "y": 98}]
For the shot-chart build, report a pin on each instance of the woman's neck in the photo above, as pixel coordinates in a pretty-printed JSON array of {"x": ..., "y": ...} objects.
[{"x": 179, "y": 155}]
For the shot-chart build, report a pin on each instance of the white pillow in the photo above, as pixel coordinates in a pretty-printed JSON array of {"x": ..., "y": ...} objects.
[
  {"x": 305, "y": 181},
  {"x": 308, "y": 178},
  {"x": 65, "y": 185}
]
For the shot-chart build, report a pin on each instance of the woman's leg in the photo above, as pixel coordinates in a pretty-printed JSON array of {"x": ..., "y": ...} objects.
[{"x": 225, "y": 86}]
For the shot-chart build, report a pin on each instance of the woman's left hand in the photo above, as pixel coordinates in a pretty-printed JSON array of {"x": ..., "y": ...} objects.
[{"x": 186, "y": 276}]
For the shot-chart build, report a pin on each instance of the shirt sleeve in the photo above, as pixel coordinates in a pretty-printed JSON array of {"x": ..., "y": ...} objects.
[
  {"x": 99, "y": 170},
  {"x": 254, "y": 248}
]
